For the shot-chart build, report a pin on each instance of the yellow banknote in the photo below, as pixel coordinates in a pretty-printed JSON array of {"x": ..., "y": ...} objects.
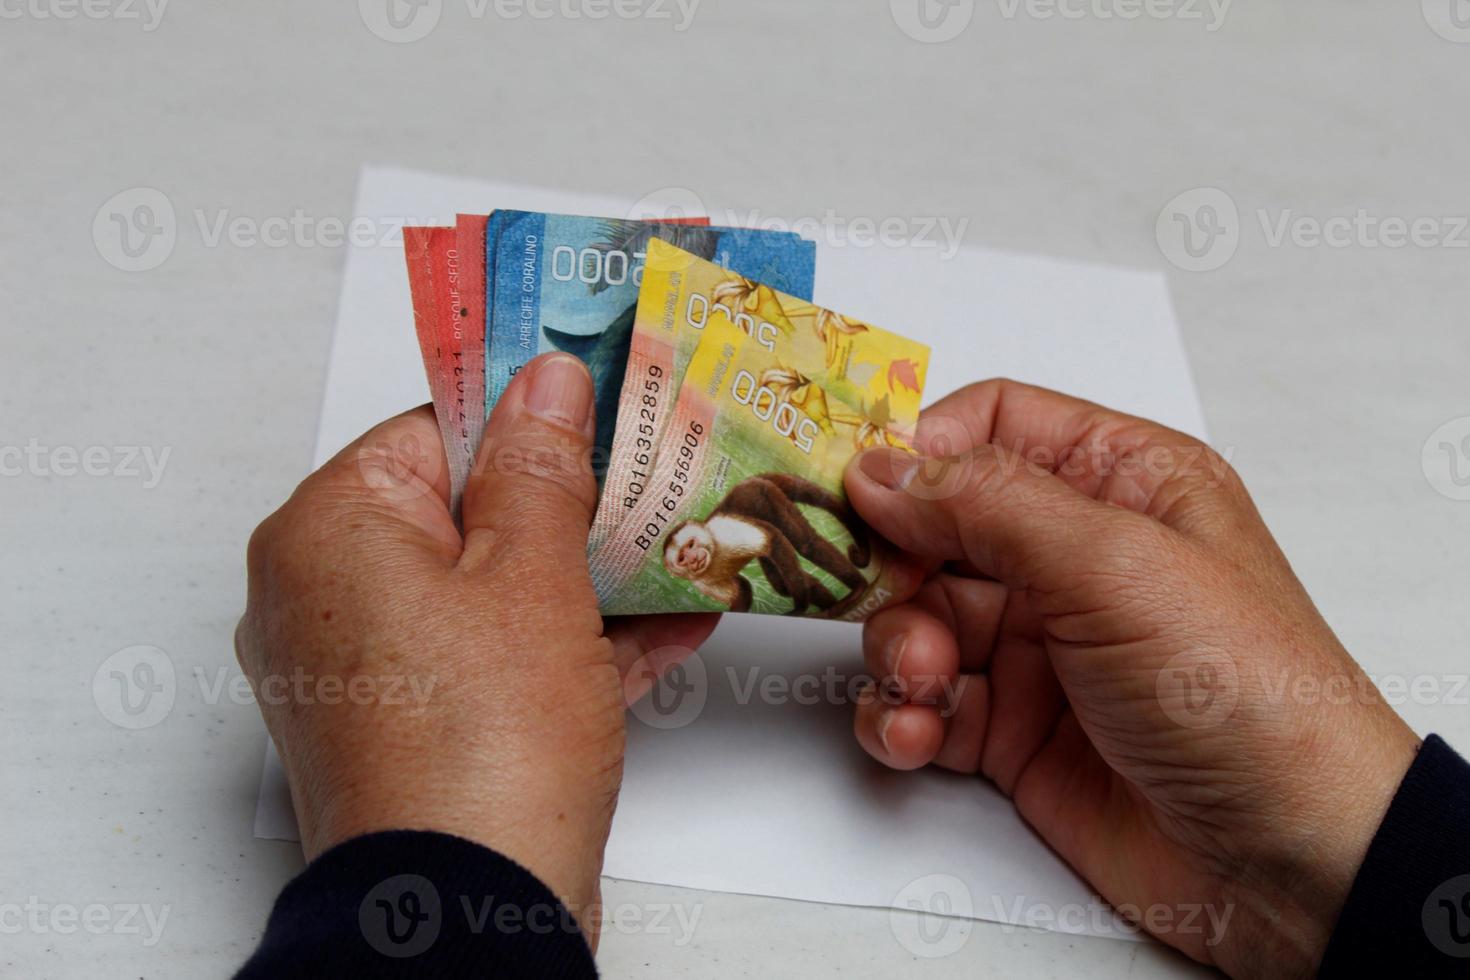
[
  {"x": 743, "y": 508},
  {"x": 849, "y": 378}
]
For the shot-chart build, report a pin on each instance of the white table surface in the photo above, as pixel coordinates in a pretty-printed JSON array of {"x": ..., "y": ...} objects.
[{"x": 1323, "y": 370}]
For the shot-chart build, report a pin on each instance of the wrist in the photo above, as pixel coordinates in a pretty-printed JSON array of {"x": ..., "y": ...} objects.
[{"x": 1290, "y": 887}]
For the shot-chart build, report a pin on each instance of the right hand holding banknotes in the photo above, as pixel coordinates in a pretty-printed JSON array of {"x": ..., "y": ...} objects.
[
  {"x": 1120, "y": 630},
  {"x": 1133, "y": 663}
]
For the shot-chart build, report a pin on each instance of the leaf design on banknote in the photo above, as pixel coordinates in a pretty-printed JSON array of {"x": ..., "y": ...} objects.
[
  {"x": 832, "y": 328},
  {"x": 874, "y": 427},
  {"x": 742, "y": 295},
  {"x": 738, "y": 293},
  {"x": 904, "y": 372},
  {"x": 794, "y": 387}
]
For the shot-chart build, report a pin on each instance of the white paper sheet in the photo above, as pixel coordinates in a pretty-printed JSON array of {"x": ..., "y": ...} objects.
[{"x": 770, "y": 795}]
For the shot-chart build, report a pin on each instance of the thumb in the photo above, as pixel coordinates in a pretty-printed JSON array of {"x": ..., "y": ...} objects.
[
  {"x": 532, "y": 491},
  {"x": 1011, "y": 520}
]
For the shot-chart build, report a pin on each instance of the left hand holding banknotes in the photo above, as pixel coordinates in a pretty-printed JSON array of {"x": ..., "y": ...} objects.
[
  {"x": 414, "y": 677},
  {"x": 1134, "y": 663}
]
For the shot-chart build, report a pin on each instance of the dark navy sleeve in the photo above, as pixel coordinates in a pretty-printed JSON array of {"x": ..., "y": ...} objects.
[
  {"x": 1408, "y": 913},
  {"x": 418, "y": 904}
]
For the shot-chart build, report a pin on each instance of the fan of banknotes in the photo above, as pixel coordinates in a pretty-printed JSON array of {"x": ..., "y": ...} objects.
[{"x": 728, "y": 404}]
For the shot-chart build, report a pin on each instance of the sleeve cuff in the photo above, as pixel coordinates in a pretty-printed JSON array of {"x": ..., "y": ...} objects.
[
  {"x": 1408, "y": 912},
  {"x": 419, "y": 903}
]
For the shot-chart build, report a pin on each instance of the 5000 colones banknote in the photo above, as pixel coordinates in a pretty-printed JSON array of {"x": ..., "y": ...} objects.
[
  {"x": 745, "y": 509},
  {"x": 818, "y": 354}
]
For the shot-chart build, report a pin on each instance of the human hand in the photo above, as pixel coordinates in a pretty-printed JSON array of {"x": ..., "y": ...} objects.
[
  {"x": 490, "y": 698},
  {"x": 1126, "y": 646}
]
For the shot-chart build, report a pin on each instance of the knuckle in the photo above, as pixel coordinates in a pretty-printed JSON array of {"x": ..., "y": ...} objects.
[{"x": 263, "y": 543}]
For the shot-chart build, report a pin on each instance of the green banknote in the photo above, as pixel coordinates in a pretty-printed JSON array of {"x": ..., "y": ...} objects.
[{"x": 744, "y": 509}]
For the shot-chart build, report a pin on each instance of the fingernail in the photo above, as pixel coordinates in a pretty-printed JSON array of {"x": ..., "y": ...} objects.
[
  {"x": 561, "y": 392},
  {"x": 885, "y": 722},
  {"x": 893, "y": 654},
  {"x": 892, "y": 469}
]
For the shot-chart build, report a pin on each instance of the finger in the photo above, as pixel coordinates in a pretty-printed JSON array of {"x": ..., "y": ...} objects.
[
  {"x": 393, "y": 480},
  {"x": 1011, "y": 521},
  {"x": 916, "y": 650},
  {"x": 532, "y": 490},
  {"x": 1107, "y": 455},
  {"x": 901, "y": 736},
  {"x": 973, "y": 610},
  {"x": 647, "y": 647},
  {"x": 912, "y": 653}
]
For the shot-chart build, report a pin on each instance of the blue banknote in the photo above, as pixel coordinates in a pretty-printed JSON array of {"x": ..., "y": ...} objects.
[{"x": 567, "y": 283}]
